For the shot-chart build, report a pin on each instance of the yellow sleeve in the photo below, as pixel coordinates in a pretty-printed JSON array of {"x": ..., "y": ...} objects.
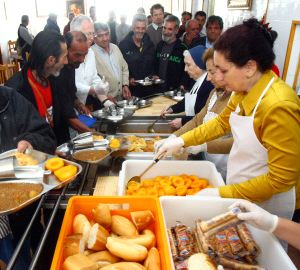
[
  {"x": 214, "y": 128},
  {"x": 280, "y": 135}
]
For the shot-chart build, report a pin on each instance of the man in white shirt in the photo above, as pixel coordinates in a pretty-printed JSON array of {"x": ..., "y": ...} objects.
[
  {"x": 154, "y": 30},
  {"x": 86, "y": 78},
  {"x": 110, "y": 62}
]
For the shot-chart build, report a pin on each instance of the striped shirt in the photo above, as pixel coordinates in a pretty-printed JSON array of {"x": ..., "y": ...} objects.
[{"x": 4, "y": 227}]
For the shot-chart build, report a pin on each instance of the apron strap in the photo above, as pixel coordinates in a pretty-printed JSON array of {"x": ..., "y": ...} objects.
[{"x": 262, "y": 95}]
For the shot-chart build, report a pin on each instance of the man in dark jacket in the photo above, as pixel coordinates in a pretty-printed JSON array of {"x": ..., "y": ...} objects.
[
  {"x": 214, "y": 28},
  {"x": 20, "y": 127},
  {"x": 169, "y": 56},
  {"x": 51, "y": 24},
  {"x": 138, "y": 51},
  {"x": 38, "y": 84},
  {"x": 24, "y": 37}
]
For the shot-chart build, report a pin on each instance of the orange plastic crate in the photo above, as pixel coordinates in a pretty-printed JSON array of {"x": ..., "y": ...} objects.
[{"x": 85, "y": 204}]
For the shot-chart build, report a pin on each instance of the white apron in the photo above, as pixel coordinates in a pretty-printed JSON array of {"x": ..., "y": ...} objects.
[
  {"x": 248, "y": 158},
  {"x": 190, "y": 98},
  {"x": 220, "y": 160}
]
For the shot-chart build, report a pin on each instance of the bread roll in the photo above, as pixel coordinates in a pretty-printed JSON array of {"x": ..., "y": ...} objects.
[
  {"x": 79, "y": 262},
  {"x": 81, "y": 225},
  {"x": 104, "y": 255},
  {"x": 145, "y": 239},
  {"x": 142, "y": 219},
  {"x": 127, "y": 251},
  {"x": 124, "y": 266},
  {"x": 201, "y": 261},
  {"x": 97, "y": 238},
  {"x": 123, "y": 226},
  {"x": 152, "y": 261},
  {"x": 73, "y": 244},
  {"x": 102, "y": 215}
]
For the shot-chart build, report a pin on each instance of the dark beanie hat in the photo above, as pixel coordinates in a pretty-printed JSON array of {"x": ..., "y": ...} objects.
[{"x": 196, "y": 54}]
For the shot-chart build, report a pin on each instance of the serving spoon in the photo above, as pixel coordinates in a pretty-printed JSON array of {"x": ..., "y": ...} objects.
[
  {"x": 138, "y": 178},
  {"x": 150, "y": 129}
]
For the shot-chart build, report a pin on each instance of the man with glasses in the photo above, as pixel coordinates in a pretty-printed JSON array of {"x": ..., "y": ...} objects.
[
  {"x": 110, "y": 62},
  {"x": 91, "y": 90}
]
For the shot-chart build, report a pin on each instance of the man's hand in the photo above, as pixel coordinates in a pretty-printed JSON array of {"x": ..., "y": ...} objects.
[
  {"x": 81, "y": 108},
  {"x": 132, "y": 81},
  {"x": 23, "y": 145},
  {"x": 176, "y": 123},
  {"x": 126, "y": 92}
]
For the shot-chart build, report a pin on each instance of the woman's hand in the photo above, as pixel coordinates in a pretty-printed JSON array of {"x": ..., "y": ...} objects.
[
  {"x": 166, "y": 110},
  {"x": 176, "y": 123},
  {"x": 256, "y": 216},
  {"x": 170, "y": 146}
]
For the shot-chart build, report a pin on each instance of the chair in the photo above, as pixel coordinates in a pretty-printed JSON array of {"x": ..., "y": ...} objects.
[
  {"x": 7, "y": 71},
  {"x": 13, "y": 56}
]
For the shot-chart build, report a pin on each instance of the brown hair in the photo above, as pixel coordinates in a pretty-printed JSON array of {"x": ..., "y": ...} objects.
[{"x": 208, "y": 54}]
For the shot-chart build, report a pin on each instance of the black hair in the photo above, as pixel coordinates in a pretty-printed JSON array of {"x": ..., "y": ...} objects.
[
  {"x": 45, "y": 44},
  {"x": 156, "y": 6},
  {"x": 200, "y": 13},
  {"x": 215, "y": 19},
  {"x": 248, "y": 41},
  {"x": 74, "y": 35},
  {"x": 186, "y": 13}
]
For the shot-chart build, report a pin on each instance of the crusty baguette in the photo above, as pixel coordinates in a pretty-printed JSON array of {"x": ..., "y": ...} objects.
[
  {"x": 201, "y": 261},
  {"x": 127, "y": 251},
  {"x": 123, "y": 226},
  {"x": 152, "y": 261},
  {"x": 81, "y": 225},
  {"x": 142, "y": 219},
  {"x": 97, "y": 238},
  {"x": 102, "y": 215},
  {"x": 79, "y": 262},
  {"x": 124, "y": 266},
  {"x": 73, "y": 244}
]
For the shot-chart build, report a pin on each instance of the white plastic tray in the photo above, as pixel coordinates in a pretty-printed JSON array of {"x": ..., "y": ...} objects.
[
  {"x": 188, "y": 209},
  {"x": 203, "y": 169}
]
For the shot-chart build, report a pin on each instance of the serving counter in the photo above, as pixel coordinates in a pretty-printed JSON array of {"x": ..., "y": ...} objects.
[{"x": 95, "y": 179}]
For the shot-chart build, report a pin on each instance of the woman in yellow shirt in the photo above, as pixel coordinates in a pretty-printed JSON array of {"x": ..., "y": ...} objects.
[{"x": 264, "y": 118}]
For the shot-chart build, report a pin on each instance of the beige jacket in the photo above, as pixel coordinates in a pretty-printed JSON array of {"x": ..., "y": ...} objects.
[
  {"x": 218, "y": 146},
  {"x": 115, "y": 85}
]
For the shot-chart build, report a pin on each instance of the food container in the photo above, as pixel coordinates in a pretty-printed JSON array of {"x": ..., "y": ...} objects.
[
  {"x": 203, "y": 169},
  {"x": 189, "y": 209},
  {"x": 46, "y": 179},
  {"x": 174, "y": 95},
  {"x": 85, "y": 204},
  {"x": 92, "y": 155},
  {"x": 117, "y": 116}
]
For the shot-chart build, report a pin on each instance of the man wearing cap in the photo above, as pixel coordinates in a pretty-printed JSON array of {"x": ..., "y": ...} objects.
[{"x": 195, "y": 100}]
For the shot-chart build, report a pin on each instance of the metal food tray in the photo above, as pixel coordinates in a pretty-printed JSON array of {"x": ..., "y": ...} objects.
[
  {"x": 103, "y": 148},
  {"x": 140, "y": 155},
  {"x": 122, "y": 114},
  {"x": 143, "y": 103},
  {"x": 144, "y": 82},
  {"x": 173, "y": 95},
  {"x": 48, "y": 181}
]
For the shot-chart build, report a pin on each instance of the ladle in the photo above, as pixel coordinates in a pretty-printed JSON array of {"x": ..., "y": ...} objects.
[
  {"x": 150, "y": 129},
  {"x": 138, "y": 178}
]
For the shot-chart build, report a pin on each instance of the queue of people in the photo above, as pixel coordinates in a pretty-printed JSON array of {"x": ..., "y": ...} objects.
[{"x": 241, "y": 115}]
